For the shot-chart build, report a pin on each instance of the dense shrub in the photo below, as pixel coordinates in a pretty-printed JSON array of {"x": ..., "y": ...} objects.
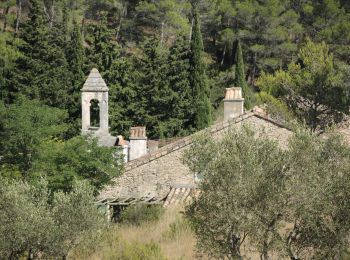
[{"x": 141, "y": 213}]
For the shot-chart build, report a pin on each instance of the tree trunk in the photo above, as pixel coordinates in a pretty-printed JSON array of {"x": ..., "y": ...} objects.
[
  {"x": 52, "y": 13},
  {"x": 5, "y": 17},
  {"x": 18, "y": 14},
  {"x": 124, "y": 14},
  {"x": 223, "y": 55},
  {"x": 83, "y": 28},
  {"x": 162, "y": 34},
  {"x": 253, "y": 70},
  {"x": 190, "y": 38},
  {"x": 118, "y": 29}
]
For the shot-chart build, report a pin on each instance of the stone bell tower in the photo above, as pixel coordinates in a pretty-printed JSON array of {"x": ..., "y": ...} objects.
[{"x": 95, "y": 90}]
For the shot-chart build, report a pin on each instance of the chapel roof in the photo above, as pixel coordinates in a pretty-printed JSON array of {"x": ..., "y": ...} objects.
[{"x": 257, "y": 112}]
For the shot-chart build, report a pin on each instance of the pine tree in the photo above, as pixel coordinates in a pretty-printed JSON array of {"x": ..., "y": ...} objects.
[
  {"x": 199, "y": 83},
  {"x": 240, "y": 80},
  {"x": 29, "y": 68},
  {"x": 42, "y": 70}
]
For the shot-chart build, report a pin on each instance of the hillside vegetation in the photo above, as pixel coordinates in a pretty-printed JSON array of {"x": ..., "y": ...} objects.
[{"x": 167, "y": 64}]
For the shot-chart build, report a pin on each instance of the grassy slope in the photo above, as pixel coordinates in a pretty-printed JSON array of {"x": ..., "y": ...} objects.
[{"x": 171, "y": 233}]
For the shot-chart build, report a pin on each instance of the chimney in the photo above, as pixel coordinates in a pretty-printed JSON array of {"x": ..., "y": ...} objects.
[
  {"x": 138, "y": 142},
  {"x": 233, "y": 103},
  {"x": 124, "y": 145}
]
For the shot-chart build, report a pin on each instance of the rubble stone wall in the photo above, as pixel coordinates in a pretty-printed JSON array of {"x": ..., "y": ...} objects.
[{"x": 154, "y": 174}]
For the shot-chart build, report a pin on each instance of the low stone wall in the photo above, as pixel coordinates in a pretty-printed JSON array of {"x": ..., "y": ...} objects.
[{"x": 154, "y": 174}]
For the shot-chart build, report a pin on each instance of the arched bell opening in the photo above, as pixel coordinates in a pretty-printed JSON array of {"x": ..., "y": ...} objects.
[{"x": 94, "y": 113}]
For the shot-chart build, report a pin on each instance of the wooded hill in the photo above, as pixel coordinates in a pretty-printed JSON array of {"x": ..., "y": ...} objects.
[{"x": 151, "y": 55}]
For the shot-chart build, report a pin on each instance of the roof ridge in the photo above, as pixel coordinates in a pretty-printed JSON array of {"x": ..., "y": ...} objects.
[{"x": 187, "y": 140}]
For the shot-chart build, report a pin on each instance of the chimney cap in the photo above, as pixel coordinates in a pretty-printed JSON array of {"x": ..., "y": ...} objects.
[
  {"x": 138, "y": 132},
  {"x": 234, "y": 93},
  {"x": 121, "y": 140}
]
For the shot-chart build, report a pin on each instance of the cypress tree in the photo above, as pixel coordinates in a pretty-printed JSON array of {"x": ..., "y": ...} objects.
[
  {"x": 240, "y": 75},
  {"x": 104, "y": 49},
  {"x": 76, "y": 54},
  {"x": 179, "y": 81},
  {"x": 199, "y": 82},
  {"x": 154, "y": 93},
  {"x": 76, "y": 59},
  {"x": 122, "y": 94}
]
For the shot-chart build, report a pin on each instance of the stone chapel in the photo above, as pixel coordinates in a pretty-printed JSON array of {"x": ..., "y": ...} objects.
[{"x": 158, "y": 176}]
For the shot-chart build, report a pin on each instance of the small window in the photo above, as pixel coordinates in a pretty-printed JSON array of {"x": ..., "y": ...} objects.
[{"x": 94, "y": 113}]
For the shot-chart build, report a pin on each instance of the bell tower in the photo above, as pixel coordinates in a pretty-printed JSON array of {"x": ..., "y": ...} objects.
[{"x": 94, "y": 105}]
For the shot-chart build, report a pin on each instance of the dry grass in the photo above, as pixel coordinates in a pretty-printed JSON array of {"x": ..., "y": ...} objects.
[{"x": 171, "y": 233}]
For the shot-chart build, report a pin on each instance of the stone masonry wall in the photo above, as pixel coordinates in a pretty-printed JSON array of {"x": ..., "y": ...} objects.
[{"x": 154, "y": 174}]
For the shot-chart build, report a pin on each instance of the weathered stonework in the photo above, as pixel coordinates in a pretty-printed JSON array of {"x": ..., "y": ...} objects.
[
  {"x": 94, "y": 89},
  {"x": 154, "y": 174}
]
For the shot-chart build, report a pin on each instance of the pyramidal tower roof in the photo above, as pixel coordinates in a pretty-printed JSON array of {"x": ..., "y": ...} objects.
[{"x": 94, "y": 82}]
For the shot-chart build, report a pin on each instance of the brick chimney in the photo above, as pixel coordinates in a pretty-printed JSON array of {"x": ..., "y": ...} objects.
[
  {"x": 233, "y": 103},
  {"x": 138, "y": 142}
]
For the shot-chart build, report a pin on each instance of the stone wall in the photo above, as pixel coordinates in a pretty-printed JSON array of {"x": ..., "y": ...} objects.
[{"x": 154, "y": 174}]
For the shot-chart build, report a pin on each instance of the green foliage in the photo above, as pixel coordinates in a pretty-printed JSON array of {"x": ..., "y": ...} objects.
[
  {"x": 29, "y": 226},
  {"x": 314, "y": 88},
  {"x": 140, "y": 213},
  {"x": 24, "y": 125},
  {"x": 42, "y": 71},
  {"x": 31, "y": 148},
  {"x": 168, "y": 17},
  {"x": 8, "y": 55},
  {"x": 275, "y": 107},
  {"x": 46, "y": 58},
  {"x": 154, "y": 93},
  {"x": 239, "y": 69},
  {"x": 181, "y": 111},
  {"x": 199, "y": 82},
  {"x": 62, "y": 162},
  {"x": 104, "y": 50},
  {"x": 245, "y": 178},
  {"x": 291, "y": 202},
  {"x": 240, "y": 79},
  {"x": 122, "y": 94},
  {"x": 76, "y": 215},
  {"x": 75, "y": 55}
]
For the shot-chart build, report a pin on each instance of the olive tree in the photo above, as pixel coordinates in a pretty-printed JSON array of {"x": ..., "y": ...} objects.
[
  {"x": 26, "y": 224},
  {"x": 34, "y": 223},
  {"x": 287, "y": 203},
  {"x": 76, "y": 217}
]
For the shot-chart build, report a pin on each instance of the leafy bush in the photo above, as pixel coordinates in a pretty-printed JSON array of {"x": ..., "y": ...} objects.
[{"x": 141, "y": 213}]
